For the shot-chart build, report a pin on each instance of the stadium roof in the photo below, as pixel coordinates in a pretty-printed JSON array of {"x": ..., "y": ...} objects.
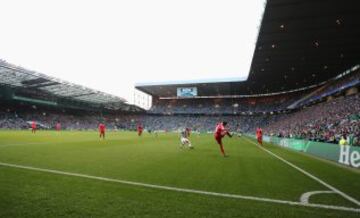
[
  {"x": 21, "y": 78},
  {"x": 301, "y": 43}
]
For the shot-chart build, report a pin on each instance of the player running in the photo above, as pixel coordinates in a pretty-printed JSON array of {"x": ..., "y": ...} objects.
[
  {"x": 259, "y": 135},
  {"x": 220, "y": 132},
  {"x": 140, "y": 129},
  {"x": 33, "y": 126},
  {"x": 184, "y": 139},
  {"x": 102, "y": 129}
]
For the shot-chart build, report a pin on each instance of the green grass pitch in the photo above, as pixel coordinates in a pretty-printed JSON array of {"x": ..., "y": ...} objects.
[{"x": 248, "y": 171}]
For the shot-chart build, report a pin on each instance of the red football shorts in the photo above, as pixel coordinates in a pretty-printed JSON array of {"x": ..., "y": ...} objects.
[{"x": 218, "y": 139}]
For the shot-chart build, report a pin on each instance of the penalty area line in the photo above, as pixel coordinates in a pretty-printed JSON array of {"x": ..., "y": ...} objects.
[
  {"x": 332, "y": 188},
  {"x": 184, "y": 190}
]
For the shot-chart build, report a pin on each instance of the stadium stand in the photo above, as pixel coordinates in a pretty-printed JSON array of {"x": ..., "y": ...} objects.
[
  {"x": 342, "y": 115},
  {"x": 225, "y": 106},
  {"x": 325, "y": 122},
  {"x": 337, "y": 84},
  {"x": 24, "y": 85}
]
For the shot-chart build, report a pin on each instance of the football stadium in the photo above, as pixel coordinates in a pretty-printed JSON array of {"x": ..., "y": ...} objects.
[{"x": 282, "y": 142}]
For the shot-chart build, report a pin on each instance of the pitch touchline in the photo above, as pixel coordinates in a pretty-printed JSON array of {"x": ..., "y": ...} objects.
[
  {"x": 169, "y": 188},
  {"x": 332, "y": 188}
]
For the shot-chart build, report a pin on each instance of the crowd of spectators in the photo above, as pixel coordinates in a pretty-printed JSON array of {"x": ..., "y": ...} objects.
[
  {"x": 225, "y": 106},
  {"x": 201, "y": 123},
  {"x": 11, "y": 121},
  {"x": 324, "y": 122},
  {"x": 20, "y": 117}
]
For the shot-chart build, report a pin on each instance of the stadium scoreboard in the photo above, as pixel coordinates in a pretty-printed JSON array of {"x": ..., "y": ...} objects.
[{"x": 186, "y": 92}]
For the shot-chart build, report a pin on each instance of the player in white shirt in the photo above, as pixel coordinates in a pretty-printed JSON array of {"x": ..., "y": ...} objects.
[{"x": 184, "y": 139}]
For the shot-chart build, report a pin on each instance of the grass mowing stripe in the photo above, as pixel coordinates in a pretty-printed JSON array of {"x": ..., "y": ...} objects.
[
  {"x": 169, "y": 188},
  {"x": 44, "y": 143},
  {"x": 308, "y": 174},
  {"x": 25, "y": 143}
]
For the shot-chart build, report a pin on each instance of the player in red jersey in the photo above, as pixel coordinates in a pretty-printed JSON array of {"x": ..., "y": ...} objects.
[
  {"x": 102, "y": 129},
  {"x": 58, "y": 126},
  {"x": 140, "y": 129},
  {"x": 33, "y": 126},
  {"x": 220, "y": 132},
  {"x": 259, "y": 135}
]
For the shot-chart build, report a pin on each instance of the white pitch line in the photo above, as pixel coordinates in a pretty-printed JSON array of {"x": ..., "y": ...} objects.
[
  {"x": 192, "y": 191},
  {"x": 305, "y": 197},
  {"x": 308, "y": 174}
]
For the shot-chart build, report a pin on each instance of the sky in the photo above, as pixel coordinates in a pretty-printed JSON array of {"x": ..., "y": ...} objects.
[{"x": 110, "y": 45}]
